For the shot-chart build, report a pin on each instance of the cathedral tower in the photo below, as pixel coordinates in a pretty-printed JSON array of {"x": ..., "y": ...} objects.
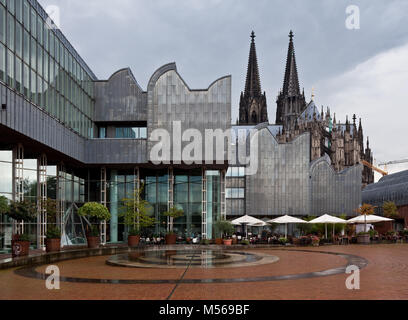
[
  {"x": 253, "y": 108},
  {"x": 291, "y": 102}
]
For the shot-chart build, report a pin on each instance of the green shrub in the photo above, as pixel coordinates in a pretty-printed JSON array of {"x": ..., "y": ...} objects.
[
  {"x": 95, "y": 211},
  {"x": 245, "y": 242},
  {"x": 283, "y": 240},
  {"x": 53, "y": 233},
  {"x": 205, "y": 242},
  {"x": 363, "y": 233},
  {"x": 23, "y": 237}
]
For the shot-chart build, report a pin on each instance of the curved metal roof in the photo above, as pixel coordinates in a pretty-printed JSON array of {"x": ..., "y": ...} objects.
[{"x": 390, "y": 188}]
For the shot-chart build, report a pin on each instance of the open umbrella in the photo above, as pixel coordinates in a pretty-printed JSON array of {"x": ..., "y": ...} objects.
[
  {"x": 286, "y": 220},
  {"x": 368, "y": 219},
  {"x": 248, "y": 221},
  {"x": 328, "y": 219}
]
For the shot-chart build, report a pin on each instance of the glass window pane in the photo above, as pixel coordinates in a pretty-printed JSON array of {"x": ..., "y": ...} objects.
[
  {"x": 143, "y": 133},
  {"x": 33, "y": 23},
  {"x": 26, "y": 15},
  {"x": 19, "y": 39},
  {"x": 39, "y": 60},
  {"x": 10, "y": 6},
  {"x": 33, "y": 54},
  {"x": 2, "y": 62},
  {"x": 19, "y": 10},
  {"x": 33, "y": 86},
  {"x": 10, "y": 69},
  {"x": 26, "y": 78},
  {"x": 40, "y": 29},
  {"x": 19, "y": 85},
  {"x": 2, "y": 24},
  {"x": 10, "y": 33},
  {"x": 26, "y": 47}
]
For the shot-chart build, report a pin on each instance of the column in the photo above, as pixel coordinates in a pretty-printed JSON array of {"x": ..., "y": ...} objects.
[{"x": 114, "y": 206}]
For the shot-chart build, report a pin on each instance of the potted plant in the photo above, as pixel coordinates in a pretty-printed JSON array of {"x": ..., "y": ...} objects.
[
  {"x": 173, "y": 213},
  {"x": 23, "y": 211},
  {"x": 366, "y": 210},
  {"x": 363, "y": 238},
  {"x": 245, "y": 242},
  {"x": 137, "y": 215},
  {"x": 53, "y": 239},
  {"x": 224, "y": 229},
  {"x": 53, "y": 234},
  {"x": 93, "y": 213},
  {"x": 283, "y": 241}
]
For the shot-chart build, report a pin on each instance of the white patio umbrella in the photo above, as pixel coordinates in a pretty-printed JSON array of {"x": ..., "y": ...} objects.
[
  {"x": 328, "y": 219},
  {"x": 248, "y": 221},
  {"x": 286, "y": 220},
  {"x": 362, "y": 219}
]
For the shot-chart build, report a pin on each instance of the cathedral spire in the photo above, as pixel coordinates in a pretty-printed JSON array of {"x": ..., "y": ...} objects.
[
  {"x": 291, "y": 85},
  {"x": 253, "y": 107},
  {"x": 291, "y": 102},
  {"x": 253, "y": 82}
]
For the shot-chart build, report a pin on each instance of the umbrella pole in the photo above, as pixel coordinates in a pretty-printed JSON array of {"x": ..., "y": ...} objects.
[
  {"x": 286, "y": 230},
  {"x": 325, "y": 225}
]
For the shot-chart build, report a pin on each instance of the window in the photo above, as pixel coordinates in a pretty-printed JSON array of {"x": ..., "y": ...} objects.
[
  {"x": 10, "y": 33},
  {"x": 2, "y": 62},
  {"x": 26, "y": 10},
  {"x": 102, "y": 132},
  {"x": 19, "y": 11},
  {"x": 19, "y": 39},
  {"x": 19, "y": 85},
  {"x": 236, "y": 172},
  {"x": 235, "y": 193},
  {"x": 2, "y": 24},
  {"x": 26, "y": 78},
  {"x": 26, "y": 47},
  {"x": 33, "y": 54},
  {"x": 33, "y": 23},
  {"x": 10, "y": 69},
  {"x": 131, "y": 133}
]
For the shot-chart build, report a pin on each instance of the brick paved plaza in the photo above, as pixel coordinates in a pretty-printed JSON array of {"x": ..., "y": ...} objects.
[{"x": 384, "y": 277}]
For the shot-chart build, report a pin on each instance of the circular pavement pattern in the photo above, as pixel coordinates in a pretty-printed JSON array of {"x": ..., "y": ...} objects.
[
  {"x": 190, "y": 258},
  {"x": 197, "y": 259}
]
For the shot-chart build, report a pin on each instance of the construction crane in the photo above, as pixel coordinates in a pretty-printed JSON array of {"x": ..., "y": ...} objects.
[
  {"x": 369, "y": 165},
  {"x": 393, "y": 162}
]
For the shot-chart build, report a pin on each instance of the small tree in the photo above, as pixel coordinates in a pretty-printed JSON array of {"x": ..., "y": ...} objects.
[
  {"x": 390, "y": 210},
  {"x": 136, "y": 212},
  {"x": 94, "y": 212},
  {"x": 173, "y": 213},
  {"x": 224, "y": 228},
  {"x": 24, "y": 211},
  {"x": 4, "y": 205},
  {"x": 366, "y": 210}
]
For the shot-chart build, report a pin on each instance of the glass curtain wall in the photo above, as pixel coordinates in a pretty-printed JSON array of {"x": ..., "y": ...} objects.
[
  {"x": 37, "y": 63},
  {"x": 6, "y": 190},
  {"x": 72, "y": 189}
]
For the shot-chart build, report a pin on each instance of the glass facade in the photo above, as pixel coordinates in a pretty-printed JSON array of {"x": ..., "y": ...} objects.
[{"x": 35, "y": 62}]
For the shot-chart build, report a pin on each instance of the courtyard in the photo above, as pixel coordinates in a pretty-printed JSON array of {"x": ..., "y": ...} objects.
[{"x": 295, "y": 273}]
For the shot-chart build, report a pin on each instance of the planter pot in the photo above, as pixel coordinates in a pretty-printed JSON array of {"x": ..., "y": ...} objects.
[
  {"x": 171, "y": 239},
  {"x": 235, "y": 241},
  {"x": 133, "y": 241},
  {"x": 218, "y": 241},
  {"x": 20, "y": 248},
  {"x": 53, "y": 245},
  {"x": 93, "y": 242},
  {"x": 227, "y": 242},
  {"x": 363, "y": 239}
]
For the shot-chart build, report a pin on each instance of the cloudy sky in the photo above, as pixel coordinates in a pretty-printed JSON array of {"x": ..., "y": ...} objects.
[{"x": 361, "y": 71}]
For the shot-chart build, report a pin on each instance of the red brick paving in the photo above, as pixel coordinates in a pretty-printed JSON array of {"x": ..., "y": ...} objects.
[{"x": 386, "y": 277}]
